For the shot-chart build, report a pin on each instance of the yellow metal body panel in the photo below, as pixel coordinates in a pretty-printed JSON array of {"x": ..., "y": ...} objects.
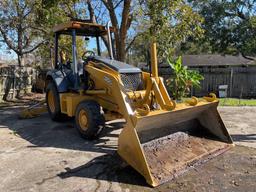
[
  {"x": 154, "y": 67},
  {"x": 69, "y": 102}
]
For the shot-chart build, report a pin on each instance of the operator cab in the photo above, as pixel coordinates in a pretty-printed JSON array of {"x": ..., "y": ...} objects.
[
  {"x": 97, "y": 37},
  {"x": 70, "y": 73}
]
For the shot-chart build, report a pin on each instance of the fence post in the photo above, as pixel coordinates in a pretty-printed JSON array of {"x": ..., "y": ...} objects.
[
  {"x": 231, "y": 81},
  {"x": 13, "y": 89}
]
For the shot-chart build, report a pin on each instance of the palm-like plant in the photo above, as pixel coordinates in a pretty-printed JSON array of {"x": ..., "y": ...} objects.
[{"x": 182, "y": 79}]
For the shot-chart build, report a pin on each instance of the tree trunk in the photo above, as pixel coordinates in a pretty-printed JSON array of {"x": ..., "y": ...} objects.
[
  {"x": 121, "y": 31},
  {"x": 20, "y": 60},
  {"x": 94, "y": 20},
  {"x": 91, "y": 11},
  {"x": 121, "y": 51},
  {"x": 125, "y": 25}
]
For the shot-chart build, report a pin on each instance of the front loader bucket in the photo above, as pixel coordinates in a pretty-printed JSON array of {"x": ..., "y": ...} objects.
[{"x": 164, "y": 144}]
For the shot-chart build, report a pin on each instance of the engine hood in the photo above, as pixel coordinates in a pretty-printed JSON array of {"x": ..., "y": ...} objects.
[{"x": 118, "y": 66}]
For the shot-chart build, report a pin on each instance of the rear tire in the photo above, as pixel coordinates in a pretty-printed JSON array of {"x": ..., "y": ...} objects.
[
  {"x": 89, "y": 119},
  {"x": 53, "y": 102}
]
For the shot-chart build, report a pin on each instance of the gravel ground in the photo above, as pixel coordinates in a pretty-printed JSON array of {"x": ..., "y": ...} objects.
[
  {"x": 41, "y": 155},
  {"x": 241, "y": 124}
]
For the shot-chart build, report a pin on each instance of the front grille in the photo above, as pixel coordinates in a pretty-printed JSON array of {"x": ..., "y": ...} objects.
[{"x": 132, "y": 81}]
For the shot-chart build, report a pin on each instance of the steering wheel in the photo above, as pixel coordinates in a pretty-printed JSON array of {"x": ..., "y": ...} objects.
[{"x": 87, "y": 54}]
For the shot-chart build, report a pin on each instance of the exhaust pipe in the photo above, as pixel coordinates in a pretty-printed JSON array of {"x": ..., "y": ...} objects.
[{"x": 110, "y": 41}]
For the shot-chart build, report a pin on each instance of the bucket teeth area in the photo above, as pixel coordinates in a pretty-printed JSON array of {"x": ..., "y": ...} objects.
[
  {"x": 165, "y": 144},
  {"x": 170, "y": 156}
]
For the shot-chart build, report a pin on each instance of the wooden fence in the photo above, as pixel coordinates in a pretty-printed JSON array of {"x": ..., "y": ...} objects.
[
  {"x": 241, "y": 80},
  {"x": 14, "y": 81}
]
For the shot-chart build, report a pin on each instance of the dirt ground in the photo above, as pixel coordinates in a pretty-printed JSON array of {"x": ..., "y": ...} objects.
[{"x": 41, "y": 155}]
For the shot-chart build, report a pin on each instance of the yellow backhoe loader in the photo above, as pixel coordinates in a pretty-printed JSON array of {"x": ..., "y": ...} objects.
[{"x": 161, "y": 139}]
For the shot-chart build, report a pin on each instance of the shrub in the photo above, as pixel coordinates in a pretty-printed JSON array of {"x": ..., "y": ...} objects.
[{"x": 182, "y": 79}]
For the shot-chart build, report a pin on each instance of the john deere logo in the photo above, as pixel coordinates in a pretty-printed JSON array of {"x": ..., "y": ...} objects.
[{"x": 108, "y": 80}]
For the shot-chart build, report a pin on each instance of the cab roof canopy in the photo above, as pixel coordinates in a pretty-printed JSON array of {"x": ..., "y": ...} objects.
[{"x": 82, "y": 28}]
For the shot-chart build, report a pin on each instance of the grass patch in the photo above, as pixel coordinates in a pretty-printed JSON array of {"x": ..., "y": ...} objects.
[
  {"x": 237, "y": 102},
  {"x": 231, "y": 101}
]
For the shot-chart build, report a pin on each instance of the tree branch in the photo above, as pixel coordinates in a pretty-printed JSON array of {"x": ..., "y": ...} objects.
[
  {"x": 132, "y": 41},
  {"x": 91, "y": 11},
  {"x": 125, "y": 16},
  {"x": 106, "y": 3},
  {"x": 40, "y": 29},
  {"x": 25, "y": 15},
  {"x": 7, "y": 41},
  {"x": 241, "y": 15},
  {"x": 27, "y": 42},
  {"x": 109, "y": 5},
  {"x": 118, "y": 4},
  {"x": 34, "y": 48},
  {"x": 247, "y": 57}
]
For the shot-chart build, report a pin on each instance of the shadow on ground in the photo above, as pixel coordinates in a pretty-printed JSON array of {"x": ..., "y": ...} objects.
[
  {"x": 112, "y": 169},
  {"x": 42, "y": 132},
  {"x": 244, "y": 137}
]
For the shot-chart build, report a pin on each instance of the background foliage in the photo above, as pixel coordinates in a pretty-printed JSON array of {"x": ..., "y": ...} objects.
[
  {"x": 182, "y": 79},
  {"x": 230, "y": 27}
]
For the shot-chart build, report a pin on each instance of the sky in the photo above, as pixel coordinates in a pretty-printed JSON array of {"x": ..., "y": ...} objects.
[{"x": 6, "y": 54}]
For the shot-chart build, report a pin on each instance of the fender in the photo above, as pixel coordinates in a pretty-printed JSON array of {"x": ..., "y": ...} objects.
[{"x": 63, "y": 80}]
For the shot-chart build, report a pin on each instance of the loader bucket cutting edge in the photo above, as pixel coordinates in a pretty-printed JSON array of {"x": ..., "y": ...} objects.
[{"x": 163, "y": 145}]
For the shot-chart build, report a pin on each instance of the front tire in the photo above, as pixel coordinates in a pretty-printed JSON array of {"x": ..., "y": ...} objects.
[
  {"x": 90, "y": 120},
  {"x": 53, "y": 102}
]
